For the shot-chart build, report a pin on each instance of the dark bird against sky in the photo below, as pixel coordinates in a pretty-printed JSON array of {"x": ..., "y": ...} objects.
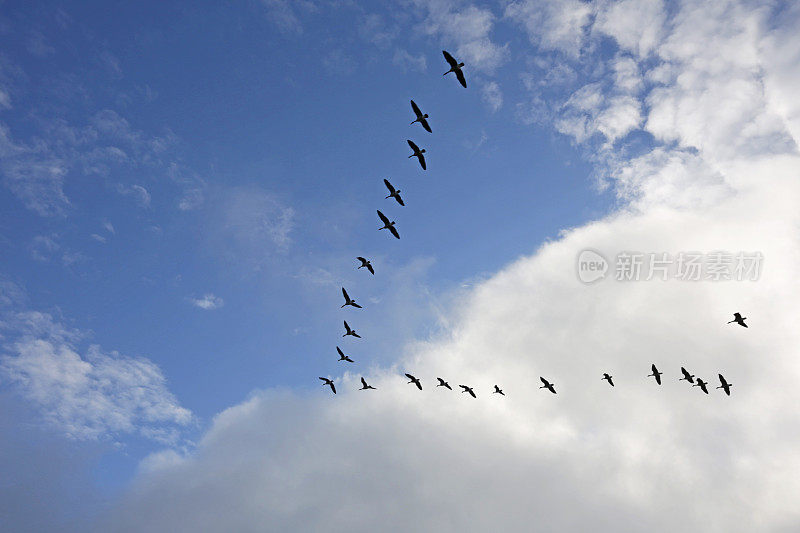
[
  {"x": 656, "y": 374},
  {"x": 393, "y": 193},
  {"x": 547, "y": 385},
  {"x": 443, "y": 383},
  {"x": 364, "y": 385},
  {"x": 455, "y": 66},
  {"x": 420, "y": 117},
  {"x": 349, "y": 331},
  {"x": 724, "y": 385},
  {"x": 329, "y": 382},
  {"x": 367, "y": 264},
  {"x": 739, "y": 319},
  {"x": 469, "y": 390},
  {"x": 608, "y": 378},
  {"x": 342, "y": 356},
  {"x": 498, "y": 390},
  {"x": 702, "y": 384},
  {"x": 686, "y": 376},
  {"x": 388, "y": 225},
  {"x": 348, "y": 300},
  {"x": 417, "y": 153},
  {"x": 415, "y": 381}
]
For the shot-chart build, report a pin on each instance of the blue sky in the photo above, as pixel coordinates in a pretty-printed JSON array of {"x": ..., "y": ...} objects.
[{"x": 184, "y": 188}]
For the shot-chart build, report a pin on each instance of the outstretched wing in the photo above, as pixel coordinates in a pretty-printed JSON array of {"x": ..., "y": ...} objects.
[
  {"x": 544, "y": 382},
  {"x": 412, "y": 145},
  {"x": 389, "y": 186},
  {"x": 394, "y": 232},
  {"x": 371, "y": 270},
  {"x": 363, "y": 260},
  {"x": 722, "y": 381},
  {"x": 341, "y": 353},
  {"x": 383, "y": 218},
  {"x": 418, "y": 384},
  {"x": 324, "y": 379},
  {"x": 409, "y": 376},
  {"x": 333, "y": 388},
  {"x": 346, "y": 326},
  {"x": 364, "y": 382},
  {"x": 425, "y": 124},
  {"x": 416, "y": 109},
  {"x": 471, "y": 393},
  {"x": 422, "y": 161},
  {"x": 450, "y": 60},
  {"x": 344, "y": 293},
  {"x": 461, "y": 79}
]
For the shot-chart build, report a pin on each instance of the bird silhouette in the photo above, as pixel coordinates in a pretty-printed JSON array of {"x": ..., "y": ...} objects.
[
  {"x": 469, "y": 390},
  {"x": 364, "y": 385},
  {"x": 443, "y": 383},
  {"x": 702, "y": 384},
  {"x": 348, "y": 300},
  {"x": 417, "y": 153},
  {"x": 498, "y": 390},
  {"x": 547, "y": 385},
  {"x": 608, "y": 378},
  {"x": 329, "y": 382},
  {"x": 420, "y": 117},
  {"x": 393, "y": 193},
  {"x": 739, "y": 319},
  {"x": 349, "y": 331},
  {"x": 415, "y": 381},
  {"x": 656, "y": 374},
  {"x": 686, "y": 376},
  {"x": 367, "y": 264},
  {"x": 388, "y": 225},
  {"x": 724, "y": 385},
  {"x": 455, "y": 66},
  {"x": 342, "y": 356}
]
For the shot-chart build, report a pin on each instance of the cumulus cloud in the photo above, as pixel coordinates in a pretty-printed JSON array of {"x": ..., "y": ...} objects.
[
  {"x": 492, "y": 95},
  {"x": 638, "y": 457},
  {"x": 208, "y": 302}
]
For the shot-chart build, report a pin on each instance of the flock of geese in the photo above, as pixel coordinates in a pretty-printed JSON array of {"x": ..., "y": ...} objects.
[{"x": 422, "y": 119}]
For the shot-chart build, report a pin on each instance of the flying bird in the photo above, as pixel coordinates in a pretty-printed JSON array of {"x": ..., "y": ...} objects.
[
  {"x": 739, "y": 319},
  {"x": 417, "y": 153},
  {"x": 388, "y": 225},
  {"x": 349, "y": 331},
  {"x": 656, "y": 374},
  {"x": 415, "y": 381},
  {"x": 348, "y": 300},
  {"x": 329, "y": 382},
  {"x": 420, "y": 117},
  {"x": 342, "y": 356},
  {"x": 702, "y": 384},
  {"x": 547, "y": 385},
  {"x": 469, "y": 390},
  {"x": 686, "y": 376},
  {"x": 393, "y": 193},
  {"x": 364, "y": 385},
  {"x": 608, "y": 378},
  {"x": 367, "y": 264},
  {"x": 724, "y": 385},
  {"x": 443, "y": 383},
  {"x": 455, "y": 66},
  {"x": 498, "y": 390}
]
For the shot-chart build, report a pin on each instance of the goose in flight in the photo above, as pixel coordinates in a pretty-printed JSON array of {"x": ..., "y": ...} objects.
[
  {"x": 415, "y": 381},
  {"x": 330, "y": 383},
  {"x": 417, "y": 153},
  {"x": 608, "y": 378},
  {"x": 367, "y": 264},
  {"x": 469, "y": 390},
  {"x": 455, "y": 66},
  {"x": 388, "y": 225},
  {"x": 342, "y": 356},
  {"x": 349, "y": 331},
  {"x": 393, "y": 193},
  {"x": 498, "y": 390},
  {"x": 348, "y": 300},
  {"x": 724, "y": 385},
  {"x": 420, "y": 117},
  {"x": 702, "y": 384},
  {"x": 547, "y": 385},
  {"x": 656, "y": 374},
  {"x": 686, "y": 376},
  {"x": 364, "y": 385},
  {"x": 443, "y": 383},
  {"x": 739, "y": 319}
]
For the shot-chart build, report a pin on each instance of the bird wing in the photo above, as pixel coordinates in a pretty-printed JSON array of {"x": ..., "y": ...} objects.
[
  {"x": 394, "y": 232},
  {"x": 610, "y": 382},
  {"x": 356, "y": 335},
  {"x": 412, "y": 145},
  {"x": 340, "y": 351},
  {"x": 344, "y": 293},
  {"x": 346, "y": 326},
  {"x": 422, "y": 162},
  {"x": 653, "y": 368},
  {"x": 461, "y": 79},
  {"x": 412, "y": 378},
  {"x": 658, "y": 378},
  {"x": 388, "y": 186},
  {"x": 333, "y": 388},
  {"x": 324, "y": 379},
  {"x": 685, "y": 373},
  {"x": 450, "y": 60},
  {"x": 544, "y": 381},
  {"x": 383, "y": 218},
  {"x": 416, "y": 109},
  {"x": 371, "y": 270},
  {"x": 737, "y": 316},
  {"x": 399, "y": 200},
  {"x": 356, "y": 305},
  {"x": 363, "y": 260},
  {"x": 722, "y": 380},
  {"x": 425, "y": 125}
]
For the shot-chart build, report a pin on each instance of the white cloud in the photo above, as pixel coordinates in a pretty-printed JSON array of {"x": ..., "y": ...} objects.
[
  {"x": 191, "y": 199},
  {"x": 406, "y": 61},
  {"x": 553, "y": 24},
  {"x": 492, "y": 95},
  {"x": 137, "y": 192},
  {"x": 207, "y": 302},
  {"x": 97, "y": 395},
  {"x": 638, "y": 457}
]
